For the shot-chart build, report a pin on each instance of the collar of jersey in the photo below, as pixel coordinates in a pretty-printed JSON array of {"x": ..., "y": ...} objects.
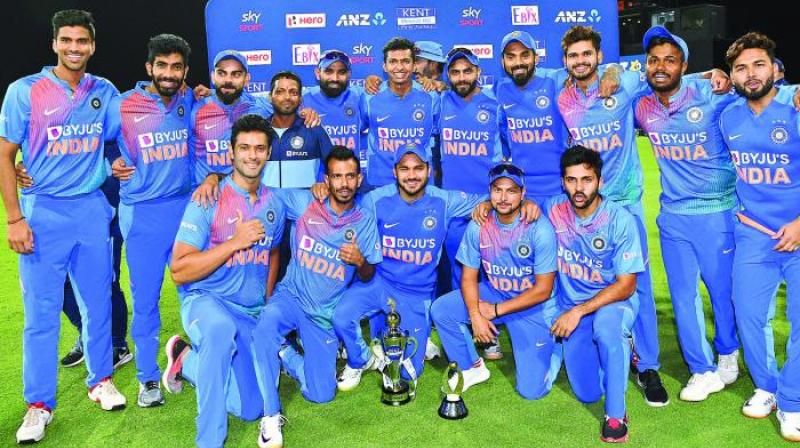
[
  {"x": 141, "y": 87},
  {"x": 298, "y": 121},
  {"x": 585, "y": 222},
  {"x": 345, "y": 213},
  {"x": 503, "y": 226},
  {"x": 239, "y": 190},
  {"x": 47, "y": 71}
]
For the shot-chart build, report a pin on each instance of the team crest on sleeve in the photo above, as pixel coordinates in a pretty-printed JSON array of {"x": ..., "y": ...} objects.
[
  {"x": 694, "y": 114},
  {"x": 181, "y": 111},
  {"x": 296, "y": 142},
  {"x": 418, "y": 115},
  {"x": 542, "y": 101},
  {"x": 609, "y": 103},
  {"x": 523, "y": 249},
  {"x": 270, "y": 216},
  {"x": 96, "y": 103},
  {"x": 429, "y": 223},
  {"x": 349, "y": 111},
  {"x": 483, "y": 116},
  {"x": 349, "y": 235},
  {"x": 779, "y": 135},
  {"x": 599, "y": 243}
]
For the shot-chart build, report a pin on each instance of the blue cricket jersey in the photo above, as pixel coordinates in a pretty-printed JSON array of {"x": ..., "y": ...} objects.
[
  {"x": 316, "y": 275},
  {"x": 697, "y": 176},
  {"x": 211, "y": 122},
  {"x": 592, "y": 251},
  {"x": 765, "y": 149},
  {"x": 394, "y": 121},
  {"x": 341, "y": 117},
  {"x": 412, "y": 234},
  {"x": 61, "y": 133},
  {"x": 511, "y": 255},
  {"x": 242, "y": 280},
  {"x": 154, "y": 138},
  {"x": 469, "y": 140}
]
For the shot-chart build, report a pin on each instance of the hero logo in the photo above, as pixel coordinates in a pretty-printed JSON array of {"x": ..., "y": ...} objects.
[
  {"x": 416, "y": 18},
  {"x": 482, "y": 51},
  {"x": 361, "y": 20},
  {"x": 362, "y": 54},
  {"x": 305, "y": 54},
  {"x": 250, "y": 23},
  {"x": 315, "y": 20},
  {"x": 578, "y": 16},
  {"x": 524, "y": 15},
  {"x": 471, "y": 17},
  {"x": 258, "y": 57}
]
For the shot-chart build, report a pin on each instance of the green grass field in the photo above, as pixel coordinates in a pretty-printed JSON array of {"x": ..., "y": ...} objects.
[{"x": 498, "y": 416}]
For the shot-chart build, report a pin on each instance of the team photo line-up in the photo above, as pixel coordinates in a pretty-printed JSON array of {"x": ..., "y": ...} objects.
[{"x": 285, "y": 222}]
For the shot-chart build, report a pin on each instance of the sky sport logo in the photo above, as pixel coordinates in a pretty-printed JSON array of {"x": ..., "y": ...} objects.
[
  {"x": 524, "y": 15},
  {"x": 258, "y": 57},
  {"x": 471, "y": 17},
  {"x": 314, "y": 20},
  {"x": 362, "y": 54},
  {"x": 305, "y": 54},
  {"x": 416, "y": 18},
  {"x": 249, "y": 22}
]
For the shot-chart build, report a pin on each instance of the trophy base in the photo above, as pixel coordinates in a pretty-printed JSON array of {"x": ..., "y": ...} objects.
[
  {"x": 453, "y": 408},
  {"x": 398, "y": 397}
]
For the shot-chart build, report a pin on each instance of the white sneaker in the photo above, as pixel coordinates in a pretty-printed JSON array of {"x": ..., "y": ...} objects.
[
  {"x": 701, "y": 385},
  {"x": 728, "y": 367},
  {"x": 351, "y": 377},
  {"x": 107, "y": 396},
  {"x": 760, "y": 405},
  {"x": 472, "y": 376},
  {"x": 432, "y": 351},
  {"x": 33, "y": 424},
  {"x": 790, "y": 425},
  {"x": 269, "y": 431}
]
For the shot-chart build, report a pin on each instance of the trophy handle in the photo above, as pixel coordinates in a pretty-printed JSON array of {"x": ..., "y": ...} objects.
[
  {"x": 416, "y": 345},
  {"x": 452, "y": 367}
]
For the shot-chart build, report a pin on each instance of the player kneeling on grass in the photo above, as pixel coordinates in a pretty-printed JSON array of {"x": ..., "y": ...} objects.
[
  {"x": 599, "y": 255},
  {"x": 225, "y": 262},
  {"x": 519, "y": 261}
]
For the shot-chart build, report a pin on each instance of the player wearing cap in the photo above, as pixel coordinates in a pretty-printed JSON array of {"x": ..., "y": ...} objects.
[
  {"x": 764, "y": 139},
  {"x": 412, "y": 219},
  {"x": 599, "y": 257},
  {"x": 44, "y": 116},
  {"x": 680, "y": 117},
  {"x": 430, "y": 62},
  {"x": 400, "y": 114},
  {"x": 780, "y": 73},
  {"x": 518, "y": 260},
  {"x": 225, "y": 265},
  {"x": 332, "y": 241}
]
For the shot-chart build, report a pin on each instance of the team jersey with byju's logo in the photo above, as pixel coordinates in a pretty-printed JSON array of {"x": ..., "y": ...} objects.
[
  {"x": 469, "y": 140},
  {"x": 61, "y": 133},
  {"x": 242, "y": 280},
  {"x": 316, "y": 275},
  {"x": 697, "y": 176},
  {"x": 532, "y": 131},
  {"x": 394, "y": 121},
  {"x": 341, "y": 117},
  {"x": 765, "y": 149},
  {"x": 592, "y": 251},
  {"x": 412, "y": 234},
  {"x": 211, "y": 123},
  {"x": 511, "y": 255},
  {"x": 154, "y": 138},
  {"x": 606, "y": 125}
]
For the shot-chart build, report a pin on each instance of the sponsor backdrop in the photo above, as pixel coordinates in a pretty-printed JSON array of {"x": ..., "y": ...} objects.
[{"x": 290, "y": 35}]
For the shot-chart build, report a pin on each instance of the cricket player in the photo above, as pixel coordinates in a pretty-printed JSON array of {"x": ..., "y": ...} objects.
[
  {"x": 599, "y": 257},
  {"x": 332, "y": 241},
  {"x": 518, "y": 260},
  {"x": 225, "y": 263},
  {"x": 58, "y": 119},
  {"x": 764, "y": 139}
]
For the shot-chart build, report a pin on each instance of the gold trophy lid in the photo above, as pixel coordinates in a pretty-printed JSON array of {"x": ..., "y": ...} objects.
[{"x": 393, "y": 318}]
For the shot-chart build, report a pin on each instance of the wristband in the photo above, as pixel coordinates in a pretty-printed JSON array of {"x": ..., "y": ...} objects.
[
  {"x": 496, "y": 314},
  {"x": 14, "y": 221}
]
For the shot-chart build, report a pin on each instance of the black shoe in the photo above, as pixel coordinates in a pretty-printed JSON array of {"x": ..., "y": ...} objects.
[
  {"x": 614, "y": 430},
  {"x": 75, "y": 355},
  {"x": 122, "y": 356},
  {"x": 654, "y": 393}
]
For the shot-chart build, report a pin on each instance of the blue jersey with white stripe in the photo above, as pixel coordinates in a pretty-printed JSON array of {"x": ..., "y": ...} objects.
[
  {"x": 341, "y": 117},
  {"x": 412, "y": 234},
  {"x": 697, "y": 175},
  {"x": 469, "y": 140},
  {"x": 592, "y": 251},
  {"x": 394, "y": 121},
  {"x": 61, "y": 133},
  {"x": 297, "y": 154},
  {"x": 765, "y": 149},
  {"x": 154, "y": 138}
]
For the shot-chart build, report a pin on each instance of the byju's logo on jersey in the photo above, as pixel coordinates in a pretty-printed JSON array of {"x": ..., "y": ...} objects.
[
  {"x": 73, "y": 130},
  {"x": 313, "y": 20},
  {"x": 146, "y": 140},
  {"x": 578, "y": 16},
  {"x": 694, "y": 114},
  {"x": 471, "y": 17},
  {"x": 482, "y": 51},
  {"x": 305, "y": 54},
  {"x": 362, "y": 54},
  {"x": 525, "y": 15},
  {"x": 249, "y": 22},
  {"x": 216, "y": 146},
  {"x": 258, "y": 57},
  {"x": 416, "y": 18},
  {"x": 779, "y": 135}
]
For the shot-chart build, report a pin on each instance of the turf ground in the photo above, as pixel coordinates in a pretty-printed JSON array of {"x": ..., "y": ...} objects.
[{"x": 498, "y": 416}]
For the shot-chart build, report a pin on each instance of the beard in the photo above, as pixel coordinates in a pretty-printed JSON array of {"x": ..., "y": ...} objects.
[
  {"x": 332, "y": 89},
  {"x": 422, "y": 184},
  {"x": 229, "y": 98},
  {"x": 588, "y": 200},
  {"x": 755, "y": 94},
  {"x": 468, "y": 88},
  {"x": 522, "y": 78},
  {"x": 165, "y": 91},
  {"x": 586, "y": 75}
]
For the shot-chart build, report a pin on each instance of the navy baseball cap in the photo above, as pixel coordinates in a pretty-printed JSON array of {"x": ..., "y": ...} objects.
[
  {"x": 430, "y": 50},
  {"x": 411, "y": 148},
  {"x": 461, "y": 52},
  {"x": 522, "y": 37},
  {"x": 231, "y": 54},
  {"x": 508, "y": 170},
  {"x": 328, "y": 57},
  {"x": 660, "y": 31},
  {"x": 780, "y": 65}
]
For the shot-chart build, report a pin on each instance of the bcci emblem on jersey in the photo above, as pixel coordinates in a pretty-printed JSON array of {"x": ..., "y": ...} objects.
[
  {"x": 779, "y": 135},
  {"x": 270, "y": 216},
  {"x": 349, "y": 235},
  {"x": 694, "y": 114},
  {"x": 181, "y": 111},
  {"x": 296, "y": 142},
  {"x": 418, "y": 115},
  {"x": 523, "y": 250},
  {"x": 429, "y": 222},
  {"x": 542, "y": 102},
  {"x": 96, "y": 103},
  {"x": 610, "y": 103},
  {"x": 482, "y": 117},
  {"x": 349, "y": 111},
  {"x": 599, "y": 242}
]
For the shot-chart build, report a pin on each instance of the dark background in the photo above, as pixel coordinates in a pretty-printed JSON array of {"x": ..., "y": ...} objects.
[{"x": 123, "y": 28}]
